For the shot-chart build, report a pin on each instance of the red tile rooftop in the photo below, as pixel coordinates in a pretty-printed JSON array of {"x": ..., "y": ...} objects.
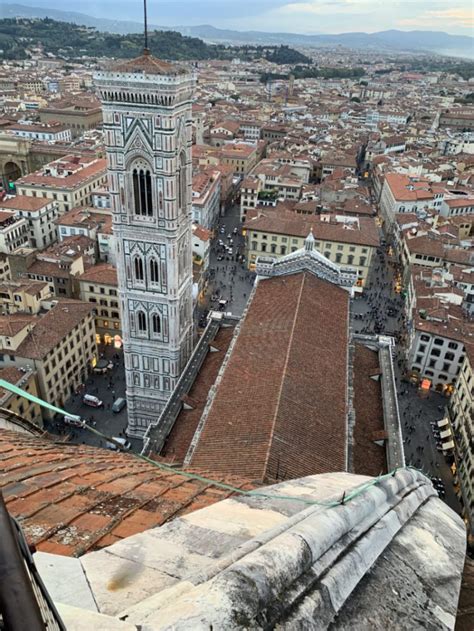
[
  {"x": 280, "y": 409},
  {"x": 70, "y": 499}
]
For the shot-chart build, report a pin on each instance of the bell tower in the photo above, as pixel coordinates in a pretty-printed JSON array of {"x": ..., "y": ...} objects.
[{"x": 146, "y": 106}]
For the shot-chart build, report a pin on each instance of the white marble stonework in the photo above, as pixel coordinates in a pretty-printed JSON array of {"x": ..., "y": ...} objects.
[{"x": 147, "y": 127}]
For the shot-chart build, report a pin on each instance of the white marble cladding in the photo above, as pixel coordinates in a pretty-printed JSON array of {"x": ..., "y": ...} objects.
[{"x": 147, "y": 125}]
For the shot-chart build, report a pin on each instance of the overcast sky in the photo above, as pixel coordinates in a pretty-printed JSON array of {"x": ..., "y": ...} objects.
[{"x": 298, "y": 16}]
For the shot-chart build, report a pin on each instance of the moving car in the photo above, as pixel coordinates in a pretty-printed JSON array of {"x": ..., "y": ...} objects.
[
  {"x": 73, "y": 421},
  {"x": 93, "y": 402}
]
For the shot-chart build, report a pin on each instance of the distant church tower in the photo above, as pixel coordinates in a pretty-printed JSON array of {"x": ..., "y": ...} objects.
[{"x": 147, "y": 122}]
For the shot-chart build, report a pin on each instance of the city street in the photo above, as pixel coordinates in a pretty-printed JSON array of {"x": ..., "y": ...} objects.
[
  {"x": 380, "y": 310},
  {"x": 107, "y": 388},
  {"x": 228, "y": 279}
]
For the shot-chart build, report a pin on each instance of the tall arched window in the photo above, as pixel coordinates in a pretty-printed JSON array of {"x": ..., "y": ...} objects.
[
  {"x": 142, "y": 195},
  {"x": 154, "y": 271},
  {"x": 182, "y": 182},
  {"x": 138, "y": 268},
  {"x": 156, "y": 323},
  {"x": 141, "y": 319}
]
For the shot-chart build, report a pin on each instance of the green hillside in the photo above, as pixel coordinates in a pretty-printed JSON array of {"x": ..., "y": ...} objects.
[{"x": 71, "y": 41}]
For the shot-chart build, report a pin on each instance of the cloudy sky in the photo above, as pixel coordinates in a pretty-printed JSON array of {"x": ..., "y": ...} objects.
[{"x": 298, "y": 16}]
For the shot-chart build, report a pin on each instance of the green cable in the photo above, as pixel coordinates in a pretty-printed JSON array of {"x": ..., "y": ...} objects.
[{"x": 195, "y": 476}]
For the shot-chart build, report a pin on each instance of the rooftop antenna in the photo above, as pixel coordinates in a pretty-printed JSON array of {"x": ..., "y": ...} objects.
[{"x": 146, "y": 50}]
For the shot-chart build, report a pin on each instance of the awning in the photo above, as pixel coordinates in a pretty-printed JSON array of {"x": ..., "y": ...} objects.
[
  {"x": 445, "y": 434},
  {"x": 448, "y": 445},
  {"x": 443, "y": 422}
]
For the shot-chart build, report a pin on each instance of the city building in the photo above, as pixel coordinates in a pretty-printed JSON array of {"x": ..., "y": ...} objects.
[
  {"x": 79, "y": 114},
  {"x": 13, "y": 231},
  {"x": 242, "y": 157},
  {"x": 40, "y": 214},
  {"x": 403, "y": 194},
  {"x": 277, "y": 233},
  {"x": 98, "y": 285},
  {"x": 148, "y": 132},
  {"x": 249, "y": 190},
  {"x": 58, "y": 265},
  {"x": 438, "y": 345},
  {"x": 461, "y": 411},
  {"x": 206, "y": 198},
  {"x": 15, "y": 403},
  {"x": 60, "y": 346},
  {"x": 53, "y": 132},
  {"x": 201, "y": 244},
  {"x": 69, "y": 181},
  {"x": 23, "y": 296},
  {"x": 461, "y": 119}
]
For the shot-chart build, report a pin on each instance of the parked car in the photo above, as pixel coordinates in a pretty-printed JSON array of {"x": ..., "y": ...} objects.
[
  {"x": 118, "y": 405},
  {"x": 123, "y": 442},
  {"x": 93, "y": 402}
]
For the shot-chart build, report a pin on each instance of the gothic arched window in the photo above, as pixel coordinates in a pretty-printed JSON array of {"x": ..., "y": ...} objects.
[
  {"x": 182, "y": 182},
  {"x": 138, "y": 268},
  {"x": 141, "y": 319},
  {"x": 154, "y": 271},
  {"x": 156, "y": 323},
  {"x": 142, "y": 195}
]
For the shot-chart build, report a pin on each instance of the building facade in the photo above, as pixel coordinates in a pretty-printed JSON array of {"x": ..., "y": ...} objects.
[
  {"x": 148, "y": 133},
  {"x": 461, "y": 410},
  {"x": 98, "y": 285}
]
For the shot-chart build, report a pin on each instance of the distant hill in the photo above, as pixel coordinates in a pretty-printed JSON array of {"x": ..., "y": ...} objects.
[
  {"x": 433, "y": 41},
  {"x": 73, "y": 41}
]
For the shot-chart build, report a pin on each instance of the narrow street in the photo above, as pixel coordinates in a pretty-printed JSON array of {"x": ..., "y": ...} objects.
[
  {"x": 228, "y": 279},
  {"x": 380, "y": 310}
]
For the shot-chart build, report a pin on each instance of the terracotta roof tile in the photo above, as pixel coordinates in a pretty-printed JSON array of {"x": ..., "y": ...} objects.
[
  {"x": 185, "y": 426},
  {"x": 280, "y": 410},
  {"x": 147, "y": 64},
  {"x": 369, "y": 458},
  {"x": 70, "y": 499}
]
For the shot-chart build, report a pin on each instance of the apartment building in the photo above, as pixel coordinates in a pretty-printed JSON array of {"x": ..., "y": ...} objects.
[
  {"x": 201, "y": 245},
  {"x": 251, "y": 186},
  {"x": 59, "y": 345},
  {"x": 461, "y": 417},
  {"x": 18, "y": 405},
  {"x": 403, "y": 194},
  {"x": 40, "y": 214},
  {"x": 98, "y": 286},
  {"x": 206, "y": 198},
  {"x": 4, "y": 268},
  {"x": 438, "y": 344},
  {"x": 70, "y": 181},
  {"x": 52, "y": 132},
  {"x": 276, "y": 233},
  {"x": 23, "y": 296},
  {"x": 58, "y": 265},
  {"x": 79, "y": 115},
  {"x": 461, "y": 119},
  {"x": 13, "y": 232},
  {"x": 241, "y": 156}
]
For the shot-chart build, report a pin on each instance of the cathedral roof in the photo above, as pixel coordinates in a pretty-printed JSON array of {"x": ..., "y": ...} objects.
[
  {"x": 74, "y": 498},
  {"x": 147, "y": 64}
]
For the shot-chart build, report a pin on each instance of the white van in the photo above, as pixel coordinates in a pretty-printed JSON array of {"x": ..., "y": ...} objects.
[
  {"x": 126, "y": 445},
  {"x": 74, "y": 421},
  {"x": 93, "y": 402}
]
